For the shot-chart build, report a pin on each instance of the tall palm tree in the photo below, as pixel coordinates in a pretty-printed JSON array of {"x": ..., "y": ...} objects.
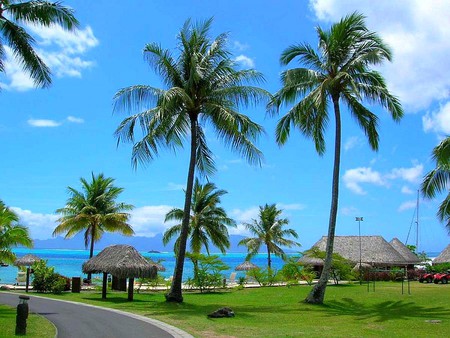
[
  {"x": 94, "y": 210},
  {"x": 268, "y": 230},
  {"x": 338, "y": 71},
  {"x": 45, "y": 13},
  {"x": 11, "y": 234},
  {"x": 204, "y": 88},
  {"x": 438, "y": 180},
  {"x": 208, "y": 222}
]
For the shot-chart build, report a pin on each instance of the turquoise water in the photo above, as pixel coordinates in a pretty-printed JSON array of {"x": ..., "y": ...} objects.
[{"x": 68, "y": 262}]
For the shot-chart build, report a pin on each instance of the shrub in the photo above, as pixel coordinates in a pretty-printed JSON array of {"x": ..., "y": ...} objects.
[
  {"x": 208, "y": 274},
  {"x": 46, "y": 280}
]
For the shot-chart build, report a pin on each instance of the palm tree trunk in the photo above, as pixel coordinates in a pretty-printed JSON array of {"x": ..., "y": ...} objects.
[
  {"x": 269, "y": 260},
  {"x": 175, "y": 293},
  {"x": 91, "y": 251},
  {"x": 317, "y": 294}
]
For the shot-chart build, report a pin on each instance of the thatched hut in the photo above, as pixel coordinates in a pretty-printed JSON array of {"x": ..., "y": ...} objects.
[
  {"x": 407, "y": 254},
  {"x": 27, "y": 260},
  {"x": 246, "y": 266},
  {"x": 444, "y": 256},
  {"x": 122, "y": 261},
  {"x": 375, "y": 251}
]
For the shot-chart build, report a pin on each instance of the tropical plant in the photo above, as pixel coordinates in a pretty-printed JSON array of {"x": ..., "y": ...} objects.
[
  {"x": 209, "y": 275},
  {"x": 268, "y": 230},
  {"x": 339, "y": 71},
  {"x": 44, "y": 13},
  {"x": 203, "y": 88},
  {"x": 94, "y": 210},
  {"x": 11, "y": 234},
  {"x": 438, "y": 180},
  {"x": 208, "y": 222}
]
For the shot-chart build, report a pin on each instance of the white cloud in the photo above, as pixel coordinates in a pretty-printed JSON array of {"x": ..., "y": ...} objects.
[
  {"x": 239, "y": 46},
  {"x": 41, "y": 226},
  {"x": 407, "y": 205},
  {"x": 351, "y": 142},
  {"x": 245, "y": 61},
  {"x": 418, "y": 33},
  {"x": 293, "y": 206},
  {"x": 245, "y": 216},
  {"x": 354, "y": 177},
  {"x": 413, "y": 174},
  {"x": 149, "y": 220},
  {"x": 406, "y": 190},
  {"x": 439, "y": 121},
  {"x": 74, "y": 119},
  {"x": 62, "y": 51},
  {"x": 42, "y": 123}
]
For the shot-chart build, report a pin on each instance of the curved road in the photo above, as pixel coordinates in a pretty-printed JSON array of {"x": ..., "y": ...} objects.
[{"x": 75, "y": 320}]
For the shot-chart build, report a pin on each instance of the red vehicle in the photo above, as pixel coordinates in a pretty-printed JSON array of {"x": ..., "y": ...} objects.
[
  {"x": 427, "y": 277},
  {"x": 441, "y": 277}
]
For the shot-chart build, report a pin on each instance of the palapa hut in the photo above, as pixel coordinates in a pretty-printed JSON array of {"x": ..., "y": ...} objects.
[
  {"x": 375, "y": 251},
  {"x": 407, "y": 254},
  {"x": 27, "y": 260},
  {"x": 122, "y": 261},
  {"x": 246, "y": 266},
  {"x": 444, "y": 256}
]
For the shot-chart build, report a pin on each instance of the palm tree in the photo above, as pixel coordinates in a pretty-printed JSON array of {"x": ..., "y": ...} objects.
[
  {"x": 438, "y": 180},
  {"x": 11, "y": 234},
  {"x": 339, "y": 71},
  {"x": 203, "y": 88},
  {"x": 268, "y": 230},
  {"x": 45, "y": 13},
  {"x": 208, "y": 221},
  {"x": 94, "y": 210}
]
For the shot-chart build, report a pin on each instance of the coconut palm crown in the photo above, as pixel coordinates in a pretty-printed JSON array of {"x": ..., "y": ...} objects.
[
  {"x": 203, "y": 89},
  {"x": 338, "y": 71},
  {"x": 44, "y": 13},
  {"x": 11, "y": 234},
  {"x": 438, "y": 180},
  {"x": 269, "y": 230}
]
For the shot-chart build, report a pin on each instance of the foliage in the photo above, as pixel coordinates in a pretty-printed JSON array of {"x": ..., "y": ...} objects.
[
  {"x": 291, "y": 272},
  {"x": 94, "y": 210},
  {"x": 209, "y": 275},
  {"x": 338, "y": 71},
  {"x": 39, "y": 13},
  {"x": 438, "y": 180},
  {"x": 264, "y": 277},
  {"x": 12, "y": 234},
  {"x": 268, "y": 230},
  {"x": 341, "y": 268},
  {"x": 152, "y": 282},
  {"x": 208, "y": 221},
  {"x": 308, "y": 275},
  {"x": 204, "y": 88},
  {"x": 443, "y": 267},
  {"x": 46, "y": 280}
]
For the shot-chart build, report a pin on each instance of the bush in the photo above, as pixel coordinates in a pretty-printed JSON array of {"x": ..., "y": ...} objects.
[
  {"x": 46, "y": 280},
  {"x": 264, "y": 277},
  {"x": 208, "y": 272}
]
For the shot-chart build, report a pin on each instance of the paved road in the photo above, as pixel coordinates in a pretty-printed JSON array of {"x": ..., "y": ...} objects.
[{"x": 74, "y": 320}]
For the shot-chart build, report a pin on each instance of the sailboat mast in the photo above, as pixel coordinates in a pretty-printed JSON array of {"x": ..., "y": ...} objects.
[{"x": 417, "y": 223}]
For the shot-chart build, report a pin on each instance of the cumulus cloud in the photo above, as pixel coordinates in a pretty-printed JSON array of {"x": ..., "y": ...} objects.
[
  {"x": 236, "y": 45},
  {"x": 62, "y": 51},
  {"x": 245, "y": 61},
  {"x": 418, "y": 33},
  {"x": 40, "y": 225},
  {"x": 354, "y": 177},
  {"x": 413, "y": 174},
  {"x": 438, "y": 121},
  {"x": 246, "y": 215},
  {"x": 74, "y": 119},
  {"x": 351, "y": 142},
  {"x": 407, "y": 205},
  {"x": 406, "y": 190},
  {"x": 149, "y": 220},
  {"x": 46, "y": 123}
]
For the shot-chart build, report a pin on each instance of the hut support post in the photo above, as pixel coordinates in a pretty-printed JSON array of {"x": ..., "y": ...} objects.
[
  {"x": 28, "y": 279},
  {"x": 105, "y": 284},
  {"x": 130, "y": 288}
]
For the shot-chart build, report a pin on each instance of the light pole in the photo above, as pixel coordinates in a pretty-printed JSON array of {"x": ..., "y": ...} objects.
[{"x": 359, "y": 220}]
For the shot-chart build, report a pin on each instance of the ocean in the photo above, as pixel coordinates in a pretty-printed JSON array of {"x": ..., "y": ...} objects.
[{"x": 68, "y": 262}]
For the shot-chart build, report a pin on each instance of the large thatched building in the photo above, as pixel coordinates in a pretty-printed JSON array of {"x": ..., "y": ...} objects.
[
  {"x": 375, "y": 251},
  {"x": 444, "y": 256}
]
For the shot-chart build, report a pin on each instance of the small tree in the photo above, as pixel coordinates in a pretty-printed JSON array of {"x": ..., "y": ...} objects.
[{"x": 209, "y": 274}]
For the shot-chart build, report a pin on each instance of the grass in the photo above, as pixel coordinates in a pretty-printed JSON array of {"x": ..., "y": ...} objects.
[
  {"x": 349, "y": 311},
  {"x": 37, "y": 326}
]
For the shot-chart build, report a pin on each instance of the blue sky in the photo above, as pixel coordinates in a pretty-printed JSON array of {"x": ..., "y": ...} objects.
[{"x": 50, "y": 138}]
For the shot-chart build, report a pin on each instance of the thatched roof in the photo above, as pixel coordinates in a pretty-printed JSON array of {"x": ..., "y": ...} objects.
[
  {"x": 159, "y": 267},
  {"x": 403, "y": 250},
  {"x": 375, "y": 250},
  {"x": 122, "y": 261},
  {"x": 26, "y": 260},
  {"x": 444, "y": 256},
  {"x": 246, "y": 266}
]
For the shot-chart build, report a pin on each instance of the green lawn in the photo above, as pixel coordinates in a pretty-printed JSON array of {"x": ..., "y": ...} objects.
[
  {"x": 37, "y": 326},
  {"x": 350, "y": 311}
]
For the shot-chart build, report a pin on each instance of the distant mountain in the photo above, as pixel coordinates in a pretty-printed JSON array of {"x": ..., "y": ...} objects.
[{"x": 141, "y": 243}]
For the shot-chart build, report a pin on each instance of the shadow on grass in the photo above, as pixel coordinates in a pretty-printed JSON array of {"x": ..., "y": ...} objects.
[{"x": 383, "y": 311}]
